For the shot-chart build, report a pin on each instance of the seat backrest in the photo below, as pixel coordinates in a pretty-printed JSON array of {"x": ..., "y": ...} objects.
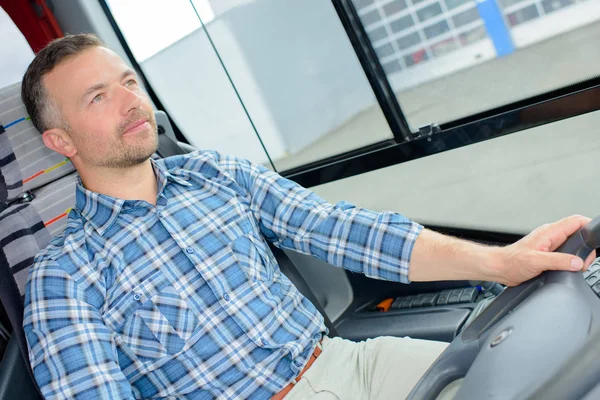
[{"x": 37, "y": 188}]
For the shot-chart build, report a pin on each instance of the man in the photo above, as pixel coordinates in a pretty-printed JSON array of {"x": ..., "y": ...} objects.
[{"x": 162, "y": 284}]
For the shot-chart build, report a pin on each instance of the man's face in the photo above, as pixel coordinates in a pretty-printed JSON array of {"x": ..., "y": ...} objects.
[{"x": 110, "y": 121}]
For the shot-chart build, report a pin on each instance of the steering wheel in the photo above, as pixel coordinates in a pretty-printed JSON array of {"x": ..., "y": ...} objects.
[{"x": 538, "y": 340}]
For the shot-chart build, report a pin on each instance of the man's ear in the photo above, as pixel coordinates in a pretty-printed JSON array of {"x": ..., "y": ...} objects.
[{"x": 60, "y": 141}]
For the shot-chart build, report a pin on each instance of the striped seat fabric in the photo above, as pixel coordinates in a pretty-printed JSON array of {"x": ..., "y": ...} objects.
[
  {"x": 25, "y": 163},
  {"x": 37, "y": 187},
  {"x": 26, "y": 227}
]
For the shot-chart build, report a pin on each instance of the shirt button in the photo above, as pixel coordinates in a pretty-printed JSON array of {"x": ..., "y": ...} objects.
[
  {"x": 189, "y": 250},
  {"x": 226, "y": 297},
  {"x": 137, "y": 296},
  {"x": 160, "y": 214}
]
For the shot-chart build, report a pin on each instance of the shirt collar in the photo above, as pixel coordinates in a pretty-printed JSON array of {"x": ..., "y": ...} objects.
[
  {"x": 163, "y": 175},
  {"x": 101, "y": 210}
]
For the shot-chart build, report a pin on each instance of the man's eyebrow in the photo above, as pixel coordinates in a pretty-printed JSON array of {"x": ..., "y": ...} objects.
[{"x": 99, "y": 86}]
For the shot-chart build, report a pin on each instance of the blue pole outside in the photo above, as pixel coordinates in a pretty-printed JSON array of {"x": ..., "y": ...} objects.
[{"x": 496, "y": 28}]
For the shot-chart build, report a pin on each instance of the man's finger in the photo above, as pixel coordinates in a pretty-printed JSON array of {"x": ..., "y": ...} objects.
[
  {"x": 589, "y": 260},
  {"x": 559, "y": 231},
  {"x": 559, "y": 262}
]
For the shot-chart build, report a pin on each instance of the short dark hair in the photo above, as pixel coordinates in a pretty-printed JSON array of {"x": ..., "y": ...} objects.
[{"x": 42, "y": 108}]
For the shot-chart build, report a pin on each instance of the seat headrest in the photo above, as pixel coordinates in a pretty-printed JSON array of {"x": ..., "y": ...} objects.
[{"x": 25, "y": 162}]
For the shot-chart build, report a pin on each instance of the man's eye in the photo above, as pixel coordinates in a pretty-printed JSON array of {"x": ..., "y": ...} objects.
[
  {"x": 131, "y": 82},
  {"x": 97, "y": 98}
]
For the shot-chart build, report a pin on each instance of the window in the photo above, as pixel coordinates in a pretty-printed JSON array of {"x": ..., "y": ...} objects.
[
  {"x": 533, "y": 46},
  {"x": 465, "y": 17},
  {"x": 392, "y": 66},
  {"x": 457, "y": 3},
  {"x": 362, "y": 3},
  {"x": 415, "y": 58},
  {"x": 385, "y": 50},
  {"x": 370, "y": 17},
  {"x": 289, "y": 80},
  {"x": 523, "y": 15},
  {"x": 429, "y": 12},
  {"x": 394, "y": 7},
  {"x": 436, "y": 29},
  {"x": 472, "y": 36},
  {"x": 443, "y": 47},
  {"x": 15, "y": 48},
  {"x": 377, "y": 34},
  {"x": 409, "y": 41},
  {"x": 508, "y": 3},
  {"x": 297, "y": 88},
  {"x": 552, "y": 5},
  {"x": 402, "y": 24}
]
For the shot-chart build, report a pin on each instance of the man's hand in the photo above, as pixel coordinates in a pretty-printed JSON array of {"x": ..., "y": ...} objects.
[
  {"x": 533, "y": 254},
  {"x": 437, "y": 257}
]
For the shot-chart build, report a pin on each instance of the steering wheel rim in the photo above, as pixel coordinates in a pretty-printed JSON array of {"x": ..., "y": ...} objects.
[{"x": 503, "y": 333}]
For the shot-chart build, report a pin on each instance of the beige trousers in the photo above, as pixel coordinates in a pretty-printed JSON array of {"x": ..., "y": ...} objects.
[{"x": 382, "y": 368}]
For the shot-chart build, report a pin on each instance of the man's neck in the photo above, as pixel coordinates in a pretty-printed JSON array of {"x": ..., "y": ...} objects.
[{"x": 132, "y": 183}]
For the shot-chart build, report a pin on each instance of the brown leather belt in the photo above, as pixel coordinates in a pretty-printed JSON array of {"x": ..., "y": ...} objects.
[{"x": 283, "y": 392}]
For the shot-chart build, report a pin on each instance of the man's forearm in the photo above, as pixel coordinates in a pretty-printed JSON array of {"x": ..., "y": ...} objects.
[{"x": 437, "y": 257}]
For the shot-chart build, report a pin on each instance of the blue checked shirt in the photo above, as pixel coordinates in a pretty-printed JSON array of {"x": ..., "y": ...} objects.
[{"x": 184, "y": 300}]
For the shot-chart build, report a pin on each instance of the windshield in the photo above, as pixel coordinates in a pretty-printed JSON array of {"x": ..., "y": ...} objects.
[
  {"x": 238, "y": 76},
  {"x": 279, "y": 82},
  {"x": 448, "y": 59}
]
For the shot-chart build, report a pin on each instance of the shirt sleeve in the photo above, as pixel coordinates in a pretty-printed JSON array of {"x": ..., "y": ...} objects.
[
  {"x": 71, "y": 351},
  {"x": 379, "y": 245}
]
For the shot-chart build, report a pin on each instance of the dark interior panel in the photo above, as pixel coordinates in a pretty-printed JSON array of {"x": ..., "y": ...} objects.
[
  {"x": 423, "y": 310},
  {"x": 439, "y": 323}
]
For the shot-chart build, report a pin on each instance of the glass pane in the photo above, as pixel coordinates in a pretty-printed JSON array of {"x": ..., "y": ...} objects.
[
  {"x": 453, "y": 67},
  {"x": 358, "y": 4},
  {"x": 174, "y": 52},
  {"x": 523, "y": 15},
  {"x": 465, "y": 17},
  {"x": 443, "y": 47},
  {"x": 506, "y": 184},
  {"x": 472, "y": 36},
  {"x": 508, "y": 3},
  {"x": 392, "y": 66},
  {"x": 409, "y": 41},
  {"x": 436, "y": 29},
  {"x": 394, "y": 7},
  {"x": 415, "y": 58},
  {"x": 401, "y": 24},
  {"x": 455, "y": 3},
  {"x": 429, "y": 12},
  {"x": 370, "y": 17},
  {"x": 377, "y": 34},
  {"x": 299, "y": 77},
  {"x": 551, "y": 5},
  {"x": 385, "y": 50}
]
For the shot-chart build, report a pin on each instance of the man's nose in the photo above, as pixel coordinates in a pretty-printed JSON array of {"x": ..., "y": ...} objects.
[{"x": 129, "y": 99}]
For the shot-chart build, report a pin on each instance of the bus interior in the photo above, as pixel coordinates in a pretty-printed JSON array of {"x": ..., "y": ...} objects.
[{"x": 475, "y": 118}]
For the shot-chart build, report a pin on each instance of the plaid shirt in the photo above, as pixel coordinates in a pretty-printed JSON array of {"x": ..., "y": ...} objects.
[{"x": 184, "y": 299}]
